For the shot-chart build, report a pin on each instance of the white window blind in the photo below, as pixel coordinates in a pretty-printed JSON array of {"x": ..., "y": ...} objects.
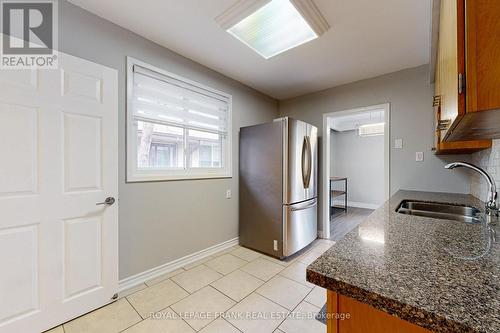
[
  {"x": 168, "y": 101},
  {"x": 176, "y": 128}
]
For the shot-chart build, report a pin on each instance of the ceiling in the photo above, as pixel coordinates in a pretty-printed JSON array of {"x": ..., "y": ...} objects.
[{"x": 367, "y": 38}]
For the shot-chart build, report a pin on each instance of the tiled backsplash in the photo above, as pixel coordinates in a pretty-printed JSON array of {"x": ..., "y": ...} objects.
[{"x": 489, "y": 160}]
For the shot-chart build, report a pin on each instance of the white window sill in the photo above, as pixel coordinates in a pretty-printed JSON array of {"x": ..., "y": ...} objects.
[{"x": 161, "y": 178}]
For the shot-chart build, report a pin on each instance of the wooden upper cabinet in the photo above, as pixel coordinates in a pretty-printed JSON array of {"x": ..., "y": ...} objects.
[
  {"x": 483, "y": 55},
  {"x": 449, "y": 64},
  {"x": 467, "y": 77}
]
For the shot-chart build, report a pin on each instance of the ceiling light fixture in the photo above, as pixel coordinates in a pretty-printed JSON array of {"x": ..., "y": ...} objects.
[{"x": 271, "y": 27}]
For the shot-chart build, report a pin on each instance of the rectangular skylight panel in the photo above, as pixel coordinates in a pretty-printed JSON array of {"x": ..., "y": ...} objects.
[{"x": 273, "y": 29}]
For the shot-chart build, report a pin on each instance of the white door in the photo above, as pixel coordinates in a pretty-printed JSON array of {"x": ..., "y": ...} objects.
[{"x": 58, "y": 158}]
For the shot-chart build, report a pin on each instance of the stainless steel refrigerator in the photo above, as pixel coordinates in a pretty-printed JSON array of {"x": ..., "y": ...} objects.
[{"x": 278, "y": 182}]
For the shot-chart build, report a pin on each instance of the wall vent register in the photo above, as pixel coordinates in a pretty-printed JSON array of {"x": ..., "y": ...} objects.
[{"x": 371, "y": 129}]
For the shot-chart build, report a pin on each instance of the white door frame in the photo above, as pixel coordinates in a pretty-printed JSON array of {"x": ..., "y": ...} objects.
[{"x": 324, "y": 195}]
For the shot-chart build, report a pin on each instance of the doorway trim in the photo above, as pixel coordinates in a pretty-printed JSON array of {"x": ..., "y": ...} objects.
[{"x": 324, "y": 195}]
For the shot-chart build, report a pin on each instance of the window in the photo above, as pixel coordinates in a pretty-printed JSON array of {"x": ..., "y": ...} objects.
[{"x": 176, "y": 128}]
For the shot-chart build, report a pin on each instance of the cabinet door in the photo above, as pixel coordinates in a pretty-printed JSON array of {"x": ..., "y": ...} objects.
[
  {"x": 450, "y": 62},
  {"x": 436, "y": 104},
  {"x": 363, "y": 318},
  {"x": 483, "y": 55}
]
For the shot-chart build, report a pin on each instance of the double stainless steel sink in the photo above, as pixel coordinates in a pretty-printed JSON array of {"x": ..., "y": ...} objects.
[{"x": 467, "y": 214}]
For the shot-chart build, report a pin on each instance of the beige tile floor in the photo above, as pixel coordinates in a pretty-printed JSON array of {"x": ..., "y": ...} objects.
[{"x": 235, "y": 290}]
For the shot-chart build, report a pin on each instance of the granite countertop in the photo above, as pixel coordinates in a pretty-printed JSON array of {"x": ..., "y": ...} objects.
[{"x": 439, "y": 274}]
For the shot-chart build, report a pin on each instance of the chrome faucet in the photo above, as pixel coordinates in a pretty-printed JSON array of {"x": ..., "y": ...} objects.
[{"x": 491, "y": 204}]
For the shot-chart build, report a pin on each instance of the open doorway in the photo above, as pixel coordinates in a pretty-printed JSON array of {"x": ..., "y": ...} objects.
[{"x": 355, "y": 173}]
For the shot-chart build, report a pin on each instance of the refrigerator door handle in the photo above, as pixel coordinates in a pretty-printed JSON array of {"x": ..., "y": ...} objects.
[
  {"x": 309, "y": 169},
  {"x": 310, "y": 205},
  {"x": 306, "y": 161}
]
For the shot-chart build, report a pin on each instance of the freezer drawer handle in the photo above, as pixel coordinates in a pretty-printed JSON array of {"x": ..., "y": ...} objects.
[
  {"x": 304, "y": 207},
  {"x": 306, "y": 161}
]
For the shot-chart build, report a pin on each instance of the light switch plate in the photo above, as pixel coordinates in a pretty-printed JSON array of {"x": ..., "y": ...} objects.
[
  {"x": 419, "y": 156},
  {"x": 398, "y": 143},
  {"x": 228, "y": 194}
]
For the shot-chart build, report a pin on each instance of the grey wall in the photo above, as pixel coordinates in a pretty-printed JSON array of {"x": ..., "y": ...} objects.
[
  {"x": 163, "y": 221},
  {"x": 361, "y": 160},
  {"x": 412, "y": 118}
]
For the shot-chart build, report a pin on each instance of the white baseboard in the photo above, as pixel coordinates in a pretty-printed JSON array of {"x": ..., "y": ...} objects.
[
  {"x": 356, "y": 204},
  {"x": 137, "y": 279}
]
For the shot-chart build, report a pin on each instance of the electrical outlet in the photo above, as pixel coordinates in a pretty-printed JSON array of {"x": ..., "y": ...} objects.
[
  {"x": 275, "y": 245},
  {"x": 228, "y": 194},
  {"x": 419, "y": 156}
]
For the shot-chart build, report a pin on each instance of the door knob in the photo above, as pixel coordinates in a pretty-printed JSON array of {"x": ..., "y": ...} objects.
[{"x": 109, "y": 201}]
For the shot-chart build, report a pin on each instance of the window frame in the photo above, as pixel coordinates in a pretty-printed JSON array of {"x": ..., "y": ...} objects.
[{"x": 134, "y": 174}]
